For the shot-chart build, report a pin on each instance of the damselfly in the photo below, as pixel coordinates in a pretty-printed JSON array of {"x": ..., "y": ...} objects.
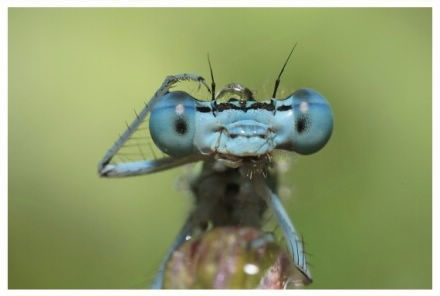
[{"x": 235, "y": 139}]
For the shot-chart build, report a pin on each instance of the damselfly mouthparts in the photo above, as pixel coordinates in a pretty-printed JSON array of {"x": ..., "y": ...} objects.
[{"x": 235, "y": 138}]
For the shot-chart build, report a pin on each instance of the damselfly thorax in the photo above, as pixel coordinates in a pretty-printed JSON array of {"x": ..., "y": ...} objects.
[{"x": 235, "y": 136}]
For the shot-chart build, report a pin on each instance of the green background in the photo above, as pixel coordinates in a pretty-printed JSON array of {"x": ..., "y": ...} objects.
[{"x": 363, "y": 203}]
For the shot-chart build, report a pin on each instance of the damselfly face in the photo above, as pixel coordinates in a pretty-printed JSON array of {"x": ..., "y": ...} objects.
[
  {"x": 187, "y": 129},
  {"x": 182, "y": 125}
]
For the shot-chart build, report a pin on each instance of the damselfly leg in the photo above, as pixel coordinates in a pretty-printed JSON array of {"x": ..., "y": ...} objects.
[
  {"x": 105, "y": 169},
  {"x": 291, "y": 236},
  {"x": 183, "y": 235}
]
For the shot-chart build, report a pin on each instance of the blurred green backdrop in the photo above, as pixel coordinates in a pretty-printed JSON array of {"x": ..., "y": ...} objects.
[{"x": 363, "y": 203}]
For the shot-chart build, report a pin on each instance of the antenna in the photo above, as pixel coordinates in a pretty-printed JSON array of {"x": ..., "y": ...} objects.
[
  {"x": 277, "y": 82},
  {"x": 212, "y": 80}
]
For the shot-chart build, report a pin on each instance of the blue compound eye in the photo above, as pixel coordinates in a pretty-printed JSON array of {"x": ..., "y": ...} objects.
[
  {"x": 313, "y": 121},
  {"x": 172, "y": 123}
]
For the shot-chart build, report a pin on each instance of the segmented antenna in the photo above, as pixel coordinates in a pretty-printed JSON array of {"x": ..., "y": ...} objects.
[
  {"x": 277, "y": 82},
  {"x": 212, "y": 80}
]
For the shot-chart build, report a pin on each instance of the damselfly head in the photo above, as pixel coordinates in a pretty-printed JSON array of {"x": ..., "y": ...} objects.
[{"x": 180, "y": 125}]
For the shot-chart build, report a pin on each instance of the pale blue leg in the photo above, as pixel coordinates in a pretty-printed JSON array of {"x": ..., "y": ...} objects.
[
  {"x": 163, "y": 89},
  {"x": 294, "y": 243},
  {"x": 178, "y": 241},
  {"x": 142, "y": 167}
]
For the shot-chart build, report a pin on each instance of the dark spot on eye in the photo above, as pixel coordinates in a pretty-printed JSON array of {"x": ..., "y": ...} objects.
[
  {"x": 180, "y": 126},
  {"x": 301, "y": 124},
  {"x": 302, "y": 93}
]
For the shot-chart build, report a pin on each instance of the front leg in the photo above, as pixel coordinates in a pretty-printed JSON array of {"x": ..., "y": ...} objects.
[
  {"x": 294, "y": 243},
  {"x": 181, "y": 237},
  {"x": 169, "y": 82}
]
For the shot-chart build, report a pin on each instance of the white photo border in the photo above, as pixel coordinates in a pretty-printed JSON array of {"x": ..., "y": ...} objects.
[{"x": 5, "y": 5}]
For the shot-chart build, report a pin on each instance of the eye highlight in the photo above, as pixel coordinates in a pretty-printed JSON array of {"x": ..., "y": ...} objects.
[
  {"x": 172, "y": 123},
  {"x": 312, "y": 119}
]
